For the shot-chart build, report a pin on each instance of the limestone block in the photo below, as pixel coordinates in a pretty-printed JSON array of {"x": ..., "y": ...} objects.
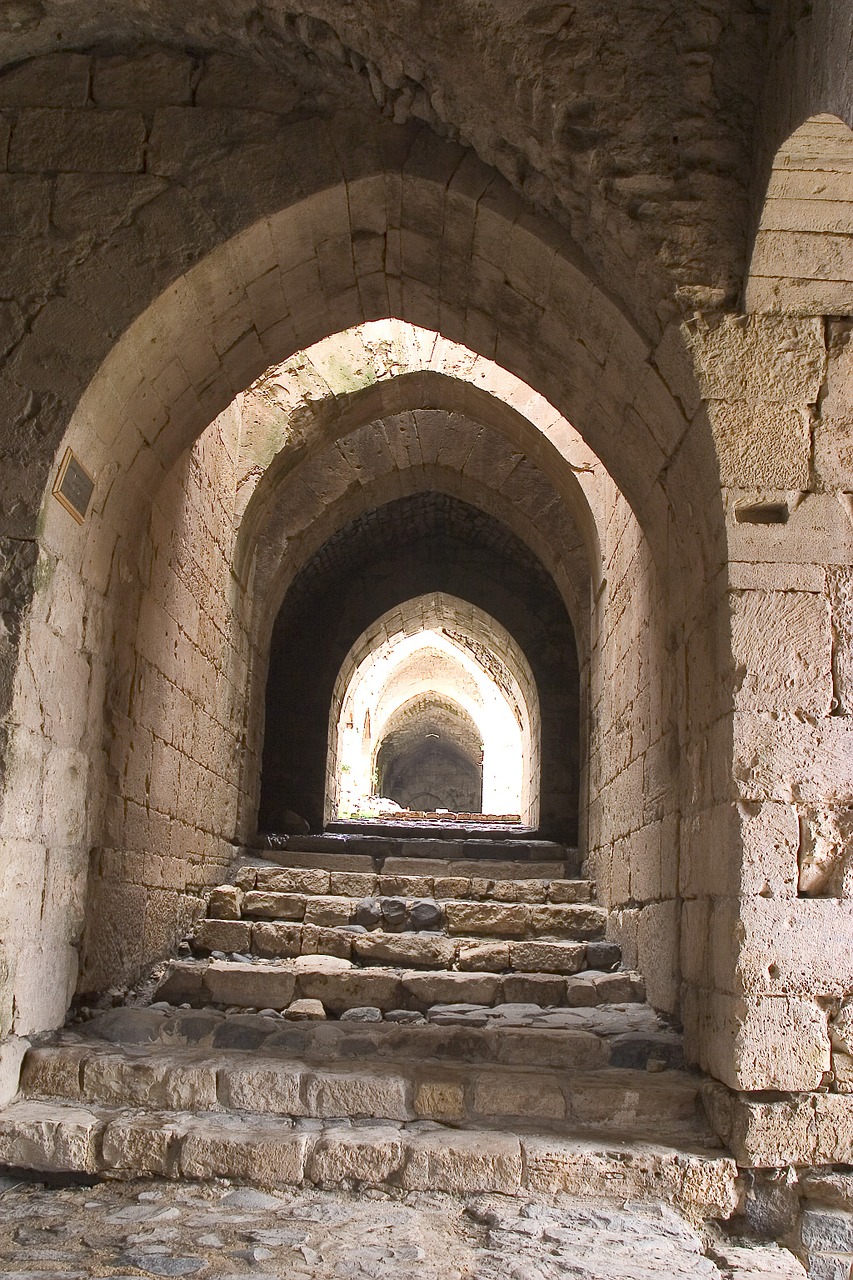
[
  {"x": 547, "y": 957},
  {"x": 580, "y": 922},
  {"x": 581, "y": 992},
  {"x": 497, "y": 1094},
  {"x": 658, "y": 945},
  {"x": 534, "y": 988},
  {"x": 298, "y": 880},
  {"x": 249, "y": 985},
  {"x": 59, "y": 80},
  {"x": 431, "y": 951},
  {"x": 54, "y": 1071},
  {"x": 795, "y": 946},
  {"x": 462, "y": 1163},
  {"x": 143, "y": 1144},
  {"x": 369, "y": 1156},
  {"x": 305, "y": 1011},
  {"x": 769, "y": 1042},
  {"x": 782, "y": 645},
  {"x": 520, "y": 891},
  {"x": 157, "y": 78},
  {"x": 502, "y": 920},
  {"x": 451, "y": 886},
  {"x": 618, "y": 988},
  {"x": 12, "y": 1054},
  {"x": 329, "y": 942},
  {"x": 352, "y": 989},
  {"x": 224, "y": 904},
  {"x": 762, "y": 446},
  {"x": 355, "y": 884},
  {"x": 78, "y": 142},
  {"x": 266, "y": 1089},
  {"x": 486, "y": 957},
  {"x": 274, "y": 939},
  {"x": 328, "y": 912},
  {"x": 53, "y": 1139},
  {"x": 803, "y": 1129},
  {"x": 166, "y": 1080},
  {"x": 372, "y": 1095},
  {"x": 406, "y": 886},
  {"x": 570, "y": 891},
  {"x": 772, "y": 756},
  {"x": 238, "y": 1147},
  {"x": 768, "y": 358},
  {"x": 440, "y": 1100},
  {"x": 261, "y": 905},
  {"x": 427, "y": 989},
  {"x": 701, "y": 1186},
  {"x": 224, "y": 935},
  {"x": 182, "y": 984}
]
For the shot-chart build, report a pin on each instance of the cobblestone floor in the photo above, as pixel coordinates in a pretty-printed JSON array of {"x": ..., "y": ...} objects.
[{"x": 222, "y": 1231}]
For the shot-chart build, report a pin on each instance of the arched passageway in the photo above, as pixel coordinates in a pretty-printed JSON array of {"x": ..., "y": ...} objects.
[
  {"x": 430, "y": 661},
  {"x": 421, "y": 545}
]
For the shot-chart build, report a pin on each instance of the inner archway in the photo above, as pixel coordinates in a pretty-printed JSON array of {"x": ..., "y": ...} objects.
[
  {"x": 430, "y": 758},
  {"x": 436, "y": 685},
  {"x": 357, "y": 585}
]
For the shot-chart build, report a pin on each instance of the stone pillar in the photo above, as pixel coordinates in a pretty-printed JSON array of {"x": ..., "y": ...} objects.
[{"x": 769, "y": 926}]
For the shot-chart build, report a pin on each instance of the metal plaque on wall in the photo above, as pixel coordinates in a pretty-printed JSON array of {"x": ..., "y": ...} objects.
[{"x": 74, "y": 486}]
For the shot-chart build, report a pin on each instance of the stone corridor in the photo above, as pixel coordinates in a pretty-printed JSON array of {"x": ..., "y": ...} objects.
[{"x": 426, "y": 631}]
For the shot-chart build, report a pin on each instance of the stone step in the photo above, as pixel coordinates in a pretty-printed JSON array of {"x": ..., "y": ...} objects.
[
  {"x": 413, "y": 1156},
  {"x": 409, "y": 882},
  {"x": 582, "y": 1039},
  {"x": 409, "y": 948},
  {"x": 275, "y": 1083},
  {"x": 408, "y": 843},
  {"x": 338, "y": 859},
  {"x": 340, "y": 986},
  {"x": 579, "y": 922}
]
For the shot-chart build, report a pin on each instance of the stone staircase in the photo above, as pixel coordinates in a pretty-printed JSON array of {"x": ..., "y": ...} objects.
[{"x": 399, "y": 1010}]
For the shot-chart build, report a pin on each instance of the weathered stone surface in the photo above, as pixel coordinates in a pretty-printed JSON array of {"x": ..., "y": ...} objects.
[
  {"x": 251, "y": 986},
  {"x": 305, "y": 1011},
  {"x": 802, "y": 1129},
  {"x": 365, "y": 1094},
  {"x": 359, "y": 1155},
  {"x": 405, "y": 949},
  {"x": 518, "y": 1095},
  {"x": 233, "y": 1147},
  {"x": 262, "y": 905},
  {"x": 274, "y": 1090},
  {"x": 224, "y": 935},
  {"x": 699, "y": 1185},
  {"x": 547, "y": 957},
  {"x": 352, "y": 988},
  {"x": 34, "y": 1136},
  {"x": 440, "y": 1100},
  {"x": 276, "y": 940},
  {"x": 224, "y": 902},
  {"x": 485, "y": 957},
  {"x": 443, "y": 988},
  {"x": 463, "y": 1162},
  {"x": 51, "y": 1072}
]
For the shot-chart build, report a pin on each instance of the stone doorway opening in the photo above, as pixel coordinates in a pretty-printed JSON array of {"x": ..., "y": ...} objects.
[{"x": 437, "y": 703}]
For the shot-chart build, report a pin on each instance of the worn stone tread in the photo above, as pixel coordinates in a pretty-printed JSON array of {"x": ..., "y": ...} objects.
[
  {"x": 340, "y": 985},
  {"x": 274, "y": 1082},
  {"x": 405, "y": 878},
  {"x": 417, "y": 1156},
  {"x": 408, "y": 948},
  {"x": 338, "y": 859},
  {"x": 626, "y": 1036}
]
